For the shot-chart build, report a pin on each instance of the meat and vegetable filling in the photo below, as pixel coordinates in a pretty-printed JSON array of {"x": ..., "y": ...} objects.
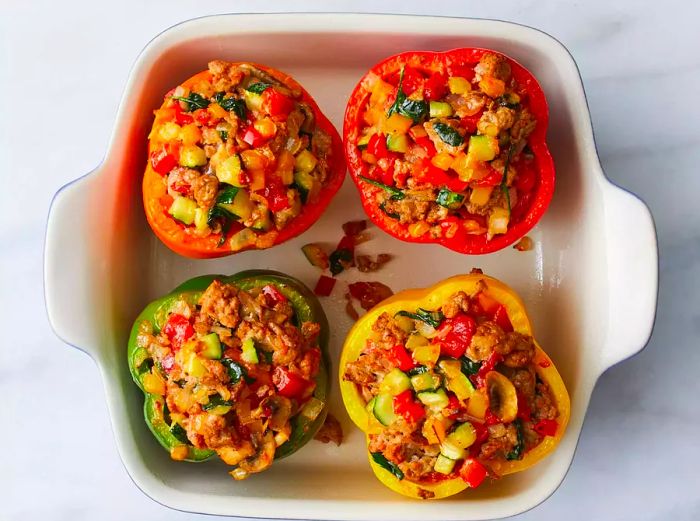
[
  {"x": 240, "y": 153},
  {"x": 455, "y": 389},
  {"x": 233, "y": 368},
  {"x": 448, "y": 148}
]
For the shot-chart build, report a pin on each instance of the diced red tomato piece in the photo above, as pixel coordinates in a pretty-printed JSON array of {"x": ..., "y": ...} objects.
[
  {"x": 412, "y": 80},
  {"x": 276, "y": 104},
  {"x": 501, "y": 318},
  {"x": 288, "y": 384},
  {"x": 276, "y": 195},
  {"x": 273, "y": 295},
  {"x": 401, "y": 358},
  {"x": 486, "y": 367},
  {"x": 162, "y": 161},
  {"x": 253, "y": 137},
  {"x": 546, "y": 427},
  {"x": 469, "y": 122},
  {"x": 324, "y": 286},
  {"x": 435, "y": 87},
  {"x": 427, "y": 145},
  {"x": 406, "y": 406},
  {"x": 472, "y": 472},
  {"x": 453, "y": 406},
  {"x": 177, "y": 329},
  {"x": 202, "y": 116},
  {"x": 456, "y": 334},
  {"x": 181, "y": 117},
  {"x": 544, "y": 364},
  {"x": 493, "y": 178},
  {"x": 377, "y": 146}
]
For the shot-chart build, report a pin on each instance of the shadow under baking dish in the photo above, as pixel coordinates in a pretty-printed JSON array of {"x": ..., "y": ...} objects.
[{"x": 564, "y": 280}]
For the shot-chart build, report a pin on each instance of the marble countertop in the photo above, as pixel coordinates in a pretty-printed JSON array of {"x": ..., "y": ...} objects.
[{"x": 64, "y": 65}]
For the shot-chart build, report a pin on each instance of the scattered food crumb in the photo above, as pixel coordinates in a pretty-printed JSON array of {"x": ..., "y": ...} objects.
[
  {"x": 524, "y": 244},
  {"x": 349, "y": 308},
  {"x": 369, "y": 293},
  {"x": 330, "y": 431},
  {"x": 366, "y": 265}
]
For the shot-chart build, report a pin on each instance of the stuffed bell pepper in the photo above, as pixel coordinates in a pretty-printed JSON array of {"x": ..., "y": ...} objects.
[
  {"x": 233, "y": 366},
  {"x": 449, "y": 148},
  {"x": 240, "y": 157},
  {"x": 450, "y": 387}
]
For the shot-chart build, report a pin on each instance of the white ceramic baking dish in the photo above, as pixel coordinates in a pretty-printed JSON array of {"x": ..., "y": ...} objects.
[{"x": 590, "y": 283}]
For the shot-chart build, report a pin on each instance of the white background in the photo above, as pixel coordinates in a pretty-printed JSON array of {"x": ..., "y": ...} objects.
[{"x": 62, "y": 69}]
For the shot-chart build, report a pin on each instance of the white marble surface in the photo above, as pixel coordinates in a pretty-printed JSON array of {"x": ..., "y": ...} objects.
[{"x": 63, "y": 67}]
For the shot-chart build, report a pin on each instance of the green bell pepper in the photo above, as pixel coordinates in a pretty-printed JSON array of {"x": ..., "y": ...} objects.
[{"x": 306, "y": 308}]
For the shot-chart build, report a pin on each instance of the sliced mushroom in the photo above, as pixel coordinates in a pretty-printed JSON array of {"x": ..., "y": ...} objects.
[
  {"x": 281, "y": 411},
  {"x": 503, "y": 400},
  {"x": 261, "y": 461}
]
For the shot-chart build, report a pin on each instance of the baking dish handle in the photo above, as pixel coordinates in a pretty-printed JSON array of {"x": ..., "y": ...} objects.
[
  {"x": 68, "y": 265},
  {"x": 633, "y": 275}
]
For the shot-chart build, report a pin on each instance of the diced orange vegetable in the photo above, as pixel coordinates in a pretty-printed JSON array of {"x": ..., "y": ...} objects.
[
  {"x": 493, "y": 87},
  {"x": 254, "y": 160},
  {"x": 443, "y": 160}
]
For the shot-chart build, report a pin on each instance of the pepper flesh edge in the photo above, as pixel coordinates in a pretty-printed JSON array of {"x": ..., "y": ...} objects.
[
  {"x": 462, "y": 243},
  {"x": 432, "y": 298},
  {"x": 303, "y": 430},
  {"x": 174, "y": 237}
]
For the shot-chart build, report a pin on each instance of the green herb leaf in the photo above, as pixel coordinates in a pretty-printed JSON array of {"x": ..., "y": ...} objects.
[
  {"x": 227, "y": 195},
  {"x": 414, "y": 109},
  {"x": 258, "y": 88},
  {"x": 194, "y": 101},
  {"x": 395, "y": 192},
  {"x": 508, "y": 101},
  {"x": 469, "y": 366},
  {"x": 432, "y": 318},
  {"x": 504, "y": 179},
  {"x": 231, "y": 104},
  {"x": 419, "y": 369},
  {"x": 449, "y": 199},
  {"x": 393, "y": 215},
  {"x": 392, "y": 467},
  {"x": 340, "y": 260},
  {"x": 179, "y": 433},
  {"x": 267, "y": 356},
  {"x": 215, "y": 400},
  {"x": 223, "y": 134},
  {"x": 517, "y": 452},
  {"x": 236, "y": 371},
  {"x": 226, "y": 218},
  {"x": 448, "y": 134}
]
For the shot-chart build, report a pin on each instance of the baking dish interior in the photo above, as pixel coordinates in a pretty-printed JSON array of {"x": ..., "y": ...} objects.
[{"x": 561, "y": 280}]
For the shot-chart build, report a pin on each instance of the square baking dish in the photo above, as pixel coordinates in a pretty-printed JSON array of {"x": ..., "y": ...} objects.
[{"x": 590, "y": 283}]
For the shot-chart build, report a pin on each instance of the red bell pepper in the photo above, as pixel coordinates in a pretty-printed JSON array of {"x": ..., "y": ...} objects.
[
  {"x": 253, "y": 137},
  {"x": 177, "y": 329},
  {"x": 401, "y": 358},
  {"x": 175, "y": 235},
  {"x": 486, "y": 367},
  {"x": 435, "y": 87},
  {"x": 424, "y": 69},
  {"x": 377, "y": 146},
  {"x": 324, "y": 286},
  {"x": 472, "y": 472},
  {"x": 276, "y": 195},
  {"x": 455, "y": 335},
  {"x": 406, "y": 406},
  {"x": 162, "y": 161},
  {"x": 500, "y": 317},
  {"x": 288, "y": 384},
  {"x": 182, "y": 117},
  {"x": 546, "y": 427}
]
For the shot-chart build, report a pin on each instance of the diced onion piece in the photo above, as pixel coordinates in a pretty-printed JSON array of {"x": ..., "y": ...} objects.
[{"x": 312, "y": 408}]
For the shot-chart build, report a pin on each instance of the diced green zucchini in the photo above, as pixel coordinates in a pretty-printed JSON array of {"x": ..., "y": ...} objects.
[
  {"x": 217, "y": 405},
  {"x": 212, "y": 346},
  {"x": 263, "y": 223},
  {"x": 397, "y": 142},
  {"x": 195, "y": 367},
  {"x": 305, "y": 162},
  {"x": 370, "y": 405},
  {"x": 482, "y": 148},
  {"x": 315, "y": 255},
  {"x": 444, "y": 465},
  {"x": 434, "y": 399},
  {"x": 249, "y": 354},
  {"x": 406, "y": 324},
  {"x": 425, "y": 382},
  {"x": 395, "y": 382},
  {"x": 246, "y": 237},
  {"x": 192, "y": 156},
  {"x": 416, "y": 340},
  {"x": 363, "y": 141},
  {"x": 309, "y": 187},
  {"x": 457, "y": 382},
  {"x": 252, "y": 100},
  {"x": 452, "y": 451},
  {"x": 384, "y": 409},
  {"x": 183, "y": 209},
  {"x": 201, "y": 217},
  {"x": 462, "y": 436},
  {"x": 241, "y": 206},
  {"x": 440, "y": 109}
]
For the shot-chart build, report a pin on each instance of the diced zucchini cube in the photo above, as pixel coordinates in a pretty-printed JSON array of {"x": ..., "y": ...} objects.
[{"x": 183, "y": 209}]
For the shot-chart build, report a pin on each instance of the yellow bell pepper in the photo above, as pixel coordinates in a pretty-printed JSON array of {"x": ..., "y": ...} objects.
[{"x": 432, "y": 298}]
